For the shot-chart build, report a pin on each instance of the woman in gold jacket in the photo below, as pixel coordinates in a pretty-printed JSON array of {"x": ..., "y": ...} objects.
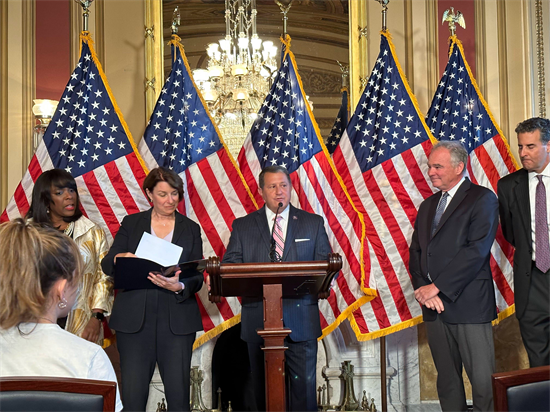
[{"x": 55, "y": 202}]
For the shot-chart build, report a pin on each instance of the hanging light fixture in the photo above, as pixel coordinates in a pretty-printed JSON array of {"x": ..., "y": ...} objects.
[
  {"x": 238, "y": 75},
  {"x": 43, "y": 111}
]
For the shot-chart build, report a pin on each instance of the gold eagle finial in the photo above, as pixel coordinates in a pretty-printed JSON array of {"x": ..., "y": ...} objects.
[
  {"x": 176, "y": 20},
  {"x": 450, "y": 16}
]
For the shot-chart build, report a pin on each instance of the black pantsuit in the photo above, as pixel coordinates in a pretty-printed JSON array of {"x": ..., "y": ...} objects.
[
  {"x": 140, "y": 352},
  {"x": 156, "y": 326}
]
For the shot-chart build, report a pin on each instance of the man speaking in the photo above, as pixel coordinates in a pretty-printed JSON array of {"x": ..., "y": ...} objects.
[{"x": 280, "y": 232}]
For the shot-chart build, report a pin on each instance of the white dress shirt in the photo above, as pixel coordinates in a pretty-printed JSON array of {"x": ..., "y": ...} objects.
[
  {"x": 533, "y": 182},
  {"x": 283, "y": 222},
  {"x": 452, "y": 192}
]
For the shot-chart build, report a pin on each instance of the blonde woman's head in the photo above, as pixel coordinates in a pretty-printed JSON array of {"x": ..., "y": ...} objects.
[{"x": 39, "y": 267}]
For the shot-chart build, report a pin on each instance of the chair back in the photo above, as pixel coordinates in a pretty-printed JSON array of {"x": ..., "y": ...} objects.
[
  {"x": 522, "y": 390},
  {"x": 56, "y": 394}
]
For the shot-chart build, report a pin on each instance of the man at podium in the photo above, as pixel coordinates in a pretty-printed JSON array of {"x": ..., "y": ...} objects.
[{"x": 280, "y": 232}]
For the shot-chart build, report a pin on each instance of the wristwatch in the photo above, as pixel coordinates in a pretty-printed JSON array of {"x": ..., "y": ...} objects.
[{"x": 98, "y": 315}]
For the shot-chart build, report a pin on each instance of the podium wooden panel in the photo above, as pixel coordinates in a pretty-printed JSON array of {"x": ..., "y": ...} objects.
[{"x": 273, "y": 281}]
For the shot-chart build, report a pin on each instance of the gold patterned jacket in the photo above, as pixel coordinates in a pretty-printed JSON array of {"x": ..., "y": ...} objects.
[{"x": 96, "y": 288}]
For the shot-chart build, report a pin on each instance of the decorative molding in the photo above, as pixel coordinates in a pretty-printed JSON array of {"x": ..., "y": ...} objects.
[
  {"x": 357, "y": 48},
  {"x": 3, "y": 104},
  {"x": 540, "y": 58},
  {"x": 29, "y": 80},
  {"x": 154, "y": 54},
  {"x": 481, "y": 46},
  {"x": 75, "y": 12},
  {"x": 409, "y": 46},
  {"x": 99, "y": 35},
  {"x": 503, "y": 67},
  {"x": 432, "y": 28},
  {"x": 317, "y": 82},
  {"x": 326, "y": 122}
]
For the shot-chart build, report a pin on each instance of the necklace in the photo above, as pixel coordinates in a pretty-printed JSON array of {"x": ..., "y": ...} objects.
[
  {"x": 159, "y": 219},
  {"x": 69, "y": 229},
  {"x": 49, "y": 320}
]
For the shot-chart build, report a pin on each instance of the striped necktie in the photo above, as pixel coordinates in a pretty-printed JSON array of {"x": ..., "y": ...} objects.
[{"x": 279, "y": 238}]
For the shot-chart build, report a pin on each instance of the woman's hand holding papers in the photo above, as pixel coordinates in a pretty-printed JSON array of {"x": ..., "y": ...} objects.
[{"x": 172, "y": 283}]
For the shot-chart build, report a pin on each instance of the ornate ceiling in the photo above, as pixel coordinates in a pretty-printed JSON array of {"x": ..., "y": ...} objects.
[{"x": 319, "y": 32}]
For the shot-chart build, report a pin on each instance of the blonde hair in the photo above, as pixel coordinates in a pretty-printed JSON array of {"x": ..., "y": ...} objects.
[{"x": 32, "y": 259}]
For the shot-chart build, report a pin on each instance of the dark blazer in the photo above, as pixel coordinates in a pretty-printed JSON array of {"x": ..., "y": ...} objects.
[
  {"x": 457, "y": 257},
  {"x": 129, "y": 307},
  {"x": 250, "y": 241},
  {"x": 515, "y": 219}
]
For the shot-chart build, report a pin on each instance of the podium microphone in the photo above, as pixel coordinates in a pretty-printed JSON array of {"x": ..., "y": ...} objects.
[{"x": 273, "y": 255}]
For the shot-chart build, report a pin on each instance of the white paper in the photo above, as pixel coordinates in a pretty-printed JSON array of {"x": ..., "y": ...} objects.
[{"x": 158, "y": 250}]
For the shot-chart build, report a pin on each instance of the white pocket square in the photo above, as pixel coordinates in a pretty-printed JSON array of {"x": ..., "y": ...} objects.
[{"x": 300, "y": 240}]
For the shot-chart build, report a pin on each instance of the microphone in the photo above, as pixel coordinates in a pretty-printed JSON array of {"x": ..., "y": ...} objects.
[{"x": 273, "y": 254}]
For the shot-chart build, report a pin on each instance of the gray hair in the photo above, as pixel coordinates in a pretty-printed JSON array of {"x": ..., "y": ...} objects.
[
  {"x": 272, "y": 169},
  {"x": 535, "y": 123},
  {"x": 457, "y": 151}
]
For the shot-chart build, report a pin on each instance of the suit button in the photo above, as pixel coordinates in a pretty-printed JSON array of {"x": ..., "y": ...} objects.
[{"x": 429, "y": 254}]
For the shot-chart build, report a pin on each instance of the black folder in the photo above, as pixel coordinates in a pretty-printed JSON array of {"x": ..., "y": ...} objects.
[{"x": 132, "y": 272}]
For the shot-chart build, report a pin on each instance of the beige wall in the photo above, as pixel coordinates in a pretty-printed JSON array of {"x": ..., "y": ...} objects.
[
  {"x": 12, "y": 137},
  {"x": 118, "y": 32}
]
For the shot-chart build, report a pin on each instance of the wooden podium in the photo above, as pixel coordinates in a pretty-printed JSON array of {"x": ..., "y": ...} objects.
[{"x": 273, "y": 281}]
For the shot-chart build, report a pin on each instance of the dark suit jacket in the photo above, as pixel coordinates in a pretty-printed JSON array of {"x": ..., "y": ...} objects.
[
  {"x": 457, "y": 257},
  {"x": 515, "y": 219},
  {"x": 250, "y": 241},
  {"x": 129, "y": 307}
]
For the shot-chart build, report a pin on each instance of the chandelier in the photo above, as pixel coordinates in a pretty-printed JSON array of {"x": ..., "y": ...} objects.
[{"x": 238, "y": 74}]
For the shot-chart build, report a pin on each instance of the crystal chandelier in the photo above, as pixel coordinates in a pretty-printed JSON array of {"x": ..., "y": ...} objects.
[{"x": 238, "y": 75}]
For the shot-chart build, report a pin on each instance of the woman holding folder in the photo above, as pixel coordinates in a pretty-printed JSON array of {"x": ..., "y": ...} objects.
[{"x": 157, "y": 325}]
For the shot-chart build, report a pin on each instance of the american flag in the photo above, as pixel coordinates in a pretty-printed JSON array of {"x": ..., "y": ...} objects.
[
  {"x": 89, "y": 139},
  {"x": 285, "y": 133},
  {"x": 340, "y": 124},
  {"x": 382, "y": 158},
  {"x": 459, "y": 112},
  {"x": 182, "y": 136}
]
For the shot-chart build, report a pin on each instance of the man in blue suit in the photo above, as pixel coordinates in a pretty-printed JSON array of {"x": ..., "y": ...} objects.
[
  {"x": 301, "y": 236},
  {"x": 450, "y": 265}
]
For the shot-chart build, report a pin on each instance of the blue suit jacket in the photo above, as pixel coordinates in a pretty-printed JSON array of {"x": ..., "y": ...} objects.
[
  {"x": 457, "y": 257},
  {"x": 250, "y": 242}
]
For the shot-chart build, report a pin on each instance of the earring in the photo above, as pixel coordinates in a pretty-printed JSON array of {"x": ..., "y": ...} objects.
[
  {"x": 48, "y": 210},
  {"x": 62, "y": 303}
]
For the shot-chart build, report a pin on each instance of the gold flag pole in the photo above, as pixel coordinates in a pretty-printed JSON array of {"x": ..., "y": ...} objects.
[
  {"x": 284, "y": 10},
  {"x": 384, "y": 4},
  {"x": 383, "y": 377},
  {"x": 86, "y": 12}
]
